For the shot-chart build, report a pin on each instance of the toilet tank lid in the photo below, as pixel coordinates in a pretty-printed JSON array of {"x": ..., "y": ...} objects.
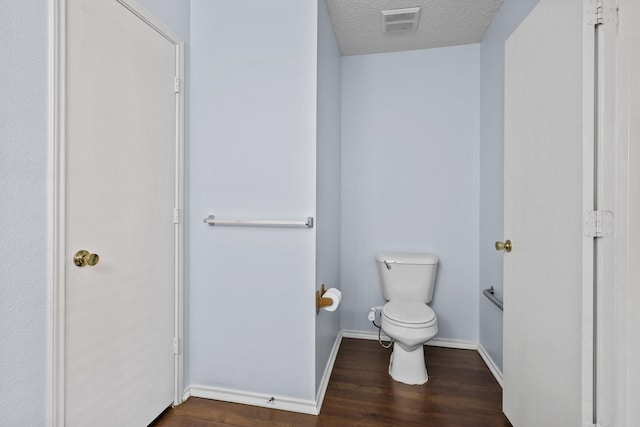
[{"x": 407, "y": 258}]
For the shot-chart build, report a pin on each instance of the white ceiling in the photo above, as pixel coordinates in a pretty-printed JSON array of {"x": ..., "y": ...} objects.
[{"x": 357, "y": 24}]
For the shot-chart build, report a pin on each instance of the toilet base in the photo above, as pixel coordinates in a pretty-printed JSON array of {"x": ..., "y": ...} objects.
[{"x": 408, "y": 367}]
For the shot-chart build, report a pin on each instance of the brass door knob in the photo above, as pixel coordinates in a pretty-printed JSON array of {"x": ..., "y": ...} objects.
[
  {"x": 504, "y": 246},
  {"x": 82, "y": 258}
]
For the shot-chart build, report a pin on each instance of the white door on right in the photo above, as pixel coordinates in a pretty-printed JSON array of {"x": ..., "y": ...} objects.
[{"x": 547, "y": 190}]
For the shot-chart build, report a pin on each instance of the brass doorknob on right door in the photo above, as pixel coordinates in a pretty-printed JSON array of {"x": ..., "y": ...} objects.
[
  {"x": 82, "y": 258},
  {"x": 504, "y": 246}
]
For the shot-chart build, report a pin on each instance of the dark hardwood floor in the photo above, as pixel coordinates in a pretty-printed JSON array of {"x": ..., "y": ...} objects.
[{"x": 461, "y": 392}]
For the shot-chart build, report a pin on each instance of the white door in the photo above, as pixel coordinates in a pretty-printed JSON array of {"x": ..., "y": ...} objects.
[
  {"x": 618, "y": 256},
  {"x": 548, "y": 186},
  {"x": 629, "y": 340},
  {"x": 120, "y": 193}
]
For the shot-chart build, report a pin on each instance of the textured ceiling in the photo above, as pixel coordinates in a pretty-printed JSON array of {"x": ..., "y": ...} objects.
[{"x": 357, "y": 24}]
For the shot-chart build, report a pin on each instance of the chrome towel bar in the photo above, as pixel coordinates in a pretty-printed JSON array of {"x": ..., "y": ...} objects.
[
  {"x": 490, "y": 293},
  {"x": 211, "y": 220}
]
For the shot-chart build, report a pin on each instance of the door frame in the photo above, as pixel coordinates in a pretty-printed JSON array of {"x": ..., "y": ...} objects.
[
  {"x": 56, "y": 207},
  {"x": 619, "y": 379}
]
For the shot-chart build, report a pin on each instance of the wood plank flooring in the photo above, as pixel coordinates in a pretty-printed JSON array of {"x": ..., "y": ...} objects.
[{"x": 461, "y": 392}]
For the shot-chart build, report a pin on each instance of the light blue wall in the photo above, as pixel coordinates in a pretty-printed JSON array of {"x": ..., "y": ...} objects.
[
  {"x": 23, "y": 212},
  {"x": 410, "y": 126},
  {"x": 508, "y": 18},
  {"x": 328, "y": 185},
  {"x": 253, "y": 155}
]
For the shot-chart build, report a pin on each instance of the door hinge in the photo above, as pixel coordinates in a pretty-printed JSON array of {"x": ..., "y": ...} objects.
[
  {"x": 598, "y": 12},
  {"x": 176, "y": 345},
  {"x": 598, "y": 223},
  {"x": 176, "y": 84},
  {"x": 594, "y": 12},
  {"x": 176, "y": 215}
]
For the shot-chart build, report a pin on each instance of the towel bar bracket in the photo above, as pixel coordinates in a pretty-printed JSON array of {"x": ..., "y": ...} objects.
[{"x": 491, "y": 295}]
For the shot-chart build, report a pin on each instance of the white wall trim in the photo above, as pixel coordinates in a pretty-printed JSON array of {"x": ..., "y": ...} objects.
[
  {"x": 57, "y": 215},
  {"x": 451, "y": 343},
  {"x": 256, "y": 399},
  {"x": 52, "y": 52},
  {"x": 436, "y": 342},
  {"x": 363, "y": 335},
  {"x": 324, "y": 383},
  {"x": 490, "y": 364}
]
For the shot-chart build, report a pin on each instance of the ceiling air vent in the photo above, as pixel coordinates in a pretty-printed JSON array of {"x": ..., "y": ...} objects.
[{"x": 400, "y": 20}]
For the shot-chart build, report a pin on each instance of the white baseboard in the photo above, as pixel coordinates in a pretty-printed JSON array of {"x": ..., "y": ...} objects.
[
  {"x": 490, "y": 364},
  {"x": 364, "y": 335},
  {"x": 266, "y": 401},
  {"x": 324, "y": 383},
  {"x": 313, "y": 407},
  {"x": 435, "y": 342},
  {"x": 451, "y": 343},
  {"x": 255, "y": 399}
]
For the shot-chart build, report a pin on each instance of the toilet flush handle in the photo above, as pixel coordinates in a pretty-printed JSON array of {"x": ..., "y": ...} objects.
[{"x": 388, "y": 264}]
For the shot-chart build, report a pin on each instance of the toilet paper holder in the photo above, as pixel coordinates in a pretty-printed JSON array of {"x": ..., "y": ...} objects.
[{"x": 322, "y": 302}]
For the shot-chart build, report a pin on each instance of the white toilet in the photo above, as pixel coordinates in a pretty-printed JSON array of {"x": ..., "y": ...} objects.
[{"x": 407, "y": 283}]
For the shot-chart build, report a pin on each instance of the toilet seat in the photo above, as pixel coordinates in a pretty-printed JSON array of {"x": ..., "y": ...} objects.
[{"x": 409, "y": 314}]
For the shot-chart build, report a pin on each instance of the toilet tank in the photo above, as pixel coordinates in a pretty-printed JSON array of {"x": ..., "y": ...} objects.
[{"x": 407, "y": 275}]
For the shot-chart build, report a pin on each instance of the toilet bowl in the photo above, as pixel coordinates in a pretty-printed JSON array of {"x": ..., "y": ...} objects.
[
  {"x": 408, "y": 281},
  {"x": 410, "y": 324}
]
